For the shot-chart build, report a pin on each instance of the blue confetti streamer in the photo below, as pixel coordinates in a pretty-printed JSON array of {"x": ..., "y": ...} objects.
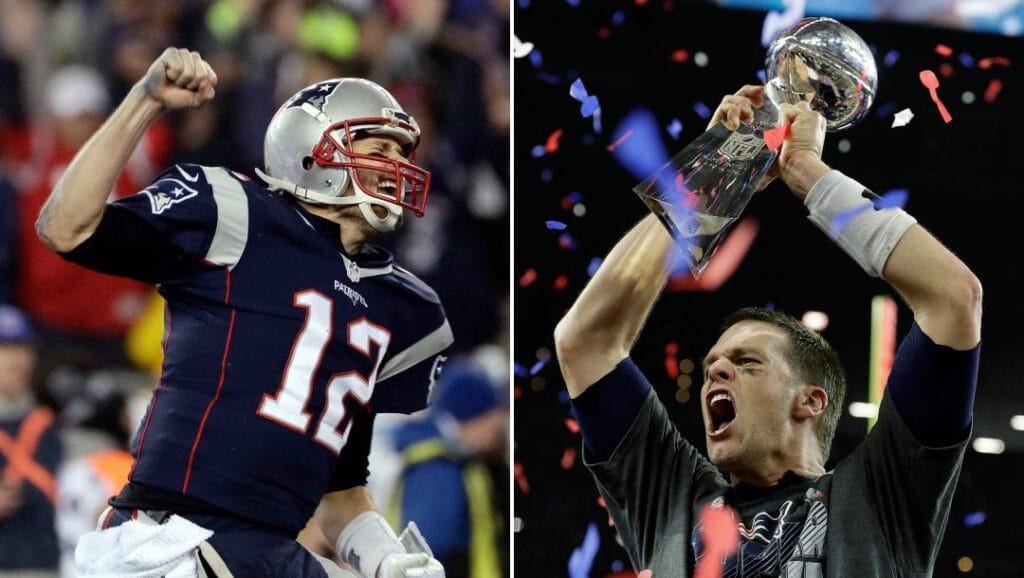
[
  {"x": 555, "y": 225},
  {"x": 573, "y": 3},
  {"x": 675, "y": 128},
  {"x": 967, "y": 60},
  {"x": 762, "y": 76},
  {"x": 582, "y": 558},
  {"x": 894, "y": 199},
  {"x": 535, "y": 58},
  {"x": 594, "y": 265},
  {"x": 702, "y": 110},
  {"x": 537, "y": 151},
  {"x": 885, "y": 110},
  {"x": 523, "y": 3},
  {"x": 891, "y": 57},
  {"x": 566, "y": 241},
  {"x": 574, "y": 197},
  {"x": 546, "y": 175},
  {"x": 519, "y": 370},
  {"x": 974, "y": 519},
  {"x": 643, "y": 153},
  {"x": 563, "y": 396},
  {"x": 618, "y": 18},
  {"x": 617, "y": 566},
  {"x": 588, "y": 103},
  {"x": 538, "y": 366}
]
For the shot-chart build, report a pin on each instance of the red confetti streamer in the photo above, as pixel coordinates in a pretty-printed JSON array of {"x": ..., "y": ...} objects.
[
  {"x": 680, "y": 55},
  {"x": 671, "y": 363},
  {"x": 551, "y": 145},
  {"x": 645, "y": 574},
  {"x": 528, "y": 277},
  {"x": 774, "y": 137},
  {"x": 943, "y": 50},
  {"x": 986, "y": 63},
  {"x": 992, "y": 92},
  {"x": 520, "y": 476},
  {"x": 619, "y": 141},
  {"x": 518, "y": 392},
  {"x": 600, "y": 502},
  {"x": 720, "y": 537},
  {"x": 724, "y": 262},
  {"x": 604, "y": 32},
  {"x": 932, "y": 84},
  {"x": 568, "y": 458},
  {"x": 946, "y": 70},
  {"x": 572, "y": 425},
  {"x": 560, "y": 283},
  {"x": 641, "y": 2}
]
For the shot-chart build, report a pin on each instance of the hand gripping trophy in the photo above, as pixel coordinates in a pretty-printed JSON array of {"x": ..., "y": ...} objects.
[{"x": 705, "y": 187}]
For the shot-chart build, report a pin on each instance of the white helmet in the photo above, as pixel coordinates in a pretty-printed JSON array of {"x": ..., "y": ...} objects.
[{"x": 308, "y": 150}]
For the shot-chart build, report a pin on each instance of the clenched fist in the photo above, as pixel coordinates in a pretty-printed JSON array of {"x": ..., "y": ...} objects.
[{"x": 180, "y": 79}]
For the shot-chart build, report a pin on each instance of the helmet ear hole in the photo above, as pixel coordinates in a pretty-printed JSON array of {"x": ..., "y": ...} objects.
[{"x": 308, "y": 163}]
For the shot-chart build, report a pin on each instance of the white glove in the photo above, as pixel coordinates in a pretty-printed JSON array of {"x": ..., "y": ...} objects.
[{"x": 410, "y": 566}]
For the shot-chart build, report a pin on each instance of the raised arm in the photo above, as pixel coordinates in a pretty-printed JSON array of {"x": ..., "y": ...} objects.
[
  {"x": 604, "y": 322},
  {"x": 940, "y": 289},
  {"x": 177, "y": 79}
]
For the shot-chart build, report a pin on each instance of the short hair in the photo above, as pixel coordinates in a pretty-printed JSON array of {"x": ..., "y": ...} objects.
[{"x": 812, "y": 360}]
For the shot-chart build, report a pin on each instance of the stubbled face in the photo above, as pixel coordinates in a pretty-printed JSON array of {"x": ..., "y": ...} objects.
[
  {"x": 385, "y": 147},
  {"x": 747, "y": 399}
]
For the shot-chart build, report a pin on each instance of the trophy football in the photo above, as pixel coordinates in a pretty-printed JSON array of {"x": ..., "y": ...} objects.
[{"x": 704, "y": 189}]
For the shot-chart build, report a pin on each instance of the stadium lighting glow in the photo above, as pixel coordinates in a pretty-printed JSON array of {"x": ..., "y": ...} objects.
[{"x": 988, "y": 445}]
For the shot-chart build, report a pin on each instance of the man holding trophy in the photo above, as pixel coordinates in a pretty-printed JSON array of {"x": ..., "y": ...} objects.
[{"x": 773, "y": 390}]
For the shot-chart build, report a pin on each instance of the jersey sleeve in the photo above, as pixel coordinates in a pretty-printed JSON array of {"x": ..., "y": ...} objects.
[
  {"x": 413, "y": 363},
  {"x": 652, "y": 479},
  {"x": 190, "y": 213}
]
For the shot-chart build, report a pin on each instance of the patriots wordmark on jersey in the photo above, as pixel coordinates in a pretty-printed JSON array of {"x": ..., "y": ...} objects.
[{"x": 279, "y": 347}]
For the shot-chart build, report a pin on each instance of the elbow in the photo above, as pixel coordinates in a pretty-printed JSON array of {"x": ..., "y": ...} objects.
[
  {"x": 60, "y": 239},
  {"x": 568, "y": 340},
  {"x": 968, "y": 301}
]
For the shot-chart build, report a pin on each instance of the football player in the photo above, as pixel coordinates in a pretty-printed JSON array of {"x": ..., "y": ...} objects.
[{"x": 286, "y": 331}]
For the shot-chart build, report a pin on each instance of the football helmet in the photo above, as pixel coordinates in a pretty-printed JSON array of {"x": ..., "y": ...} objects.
[{"x": 308, "y": 150}]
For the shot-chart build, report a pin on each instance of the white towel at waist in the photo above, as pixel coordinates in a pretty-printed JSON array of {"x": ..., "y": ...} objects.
[{"x": 142, "y": 548}]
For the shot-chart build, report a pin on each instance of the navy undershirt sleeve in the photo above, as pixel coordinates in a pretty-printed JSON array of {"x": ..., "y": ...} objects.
[
  {"x": 606, "y": 409},
  {"x": 932, "y": 387}
]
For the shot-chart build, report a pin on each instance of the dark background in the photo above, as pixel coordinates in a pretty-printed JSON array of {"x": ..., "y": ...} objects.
[{"x": 964, "y": 183}]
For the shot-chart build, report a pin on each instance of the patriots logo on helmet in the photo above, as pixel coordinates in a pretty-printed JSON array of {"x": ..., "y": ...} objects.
[{"x": 315, "y": 96}]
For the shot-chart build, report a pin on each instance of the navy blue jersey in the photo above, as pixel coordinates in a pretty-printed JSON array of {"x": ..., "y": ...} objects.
[{"x": 277, "y": 345}]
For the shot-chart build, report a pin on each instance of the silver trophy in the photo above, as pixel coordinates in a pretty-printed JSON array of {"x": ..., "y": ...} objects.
[{"x": 705, "y": 188}]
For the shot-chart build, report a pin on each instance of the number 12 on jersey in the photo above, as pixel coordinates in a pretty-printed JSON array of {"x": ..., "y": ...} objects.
[{"x": 288, "y": 406}]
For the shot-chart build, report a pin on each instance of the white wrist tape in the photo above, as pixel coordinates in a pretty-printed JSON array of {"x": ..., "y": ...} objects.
[
  {"x": 871, "y": 235},
  {"x": 365, "y": 541}
]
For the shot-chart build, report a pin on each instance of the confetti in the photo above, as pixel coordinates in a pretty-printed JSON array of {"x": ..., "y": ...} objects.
[
  {"x": 885, "y": 110},
  {"x": 572, "y": 425},
  {"x": 945, "y": 70},
  {"x": 519, "y": 369},
  {"x": 775, "y": 22},
  {"x": 992, "y": 91},
  {"x": 891, "y": 58},
  {"x": 986, "y": 63},
  {"x": 517, "y": 525},
  {"x": 644, "y": 154},
  {"x": 680, "y": 55},
  {"x": 974, "y": 519},
  {"x": 720, "y": 537},
  {"x": 618, "y": 18},
  {"x": 520, "y": 476},
  {"x": 671, "y": 361},
  {"x": 537, "y": 151},
  {"x": 723, "y": 263},
  {"x": 930, "y": 82},
  {"x": 566, "y": 242},
  {"x": 573, "y": 3},
  {"x": 555, "y": 225},
  {"x": 538, "y": 366},
  {"x": 568, "y": 458},
  {"x": 551, "y": 145},
  {"x": 774, "y": 137},
  {"x": 560, "y": 283},
  {"x": 625, "y": 136},
  {"x": 520, "y": 48},
  {"x": 536, "y": 59},
  {"x": 943, "y": 50},
  {"x": 582, "y": 558},
  {"x": 588, "y": 103},
  {"x": 895, "y": 198},
  {"x": 702, "y": 110},
  {"x": 645, "y": 574},
  {"x": 675, "y": 128},
  {"x": 902, "y": 118},
  {"x": 966, "y": 60},
  {"x": 528, "y": 277},
  {"x": 594, "y": 265}
]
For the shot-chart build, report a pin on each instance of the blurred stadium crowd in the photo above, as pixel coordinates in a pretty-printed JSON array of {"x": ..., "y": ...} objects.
[{"x": 80, "y": 351}]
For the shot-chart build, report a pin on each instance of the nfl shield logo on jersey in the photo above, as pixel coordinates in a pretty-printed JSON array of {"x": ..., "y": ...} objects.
[{"x": 352, "y": 268}]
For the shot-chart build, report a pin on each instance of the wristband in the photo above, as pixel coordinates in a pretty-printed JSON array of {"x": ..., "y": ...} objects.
[{"x": 870, "y": 236}]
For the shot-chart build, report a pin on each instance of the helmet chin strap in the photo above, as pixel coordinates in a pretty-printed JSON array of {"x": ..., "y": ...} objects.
[{"x": 365, "y": 201}]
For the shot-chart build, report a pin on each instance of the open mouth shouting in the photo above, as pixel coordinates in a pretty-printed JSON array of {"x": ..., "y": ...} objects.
[{"x": 721, "y": 411}]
